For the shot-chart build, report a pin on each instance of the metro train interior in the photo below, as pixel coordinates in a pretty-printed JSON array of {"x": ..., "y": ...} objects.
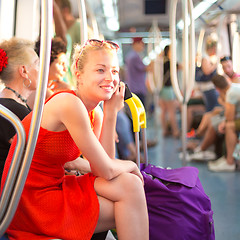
[{"x": 187, "y": 31}]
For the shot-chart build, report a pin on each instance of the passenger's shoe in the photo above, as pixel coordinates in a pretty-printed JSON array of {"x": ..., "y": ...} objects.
[
  {"x": 223, "y": 167},
  {"x": 188, "y": 159},
  {"x": 217, "y": 162},
  {"x": 203, "y": 156},
  {"x": 191, "y": 133}
]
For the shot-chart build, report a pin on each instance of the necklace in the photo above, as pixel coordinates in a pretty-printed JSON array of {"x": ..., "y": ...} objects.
[{"x": 19, "y": 96}]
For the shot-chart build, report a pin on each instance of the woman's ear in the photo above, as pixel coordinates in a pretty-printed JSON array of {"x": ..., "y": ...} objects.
[
  {"x": 78, "y": 76},
  {"x": 23, "y": 71}
]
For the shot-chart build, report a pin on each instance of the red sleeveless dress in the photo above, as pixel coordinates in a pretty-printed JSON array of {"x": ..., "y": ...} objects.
[{"x": 53, "y": 205}]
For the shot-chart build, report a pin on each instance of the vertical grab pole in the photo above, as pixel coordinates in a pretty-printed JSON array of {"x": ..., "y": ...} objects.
[
  {"x": 173, "y": 59},
  {"x": 83, "y": 17},
  {"x": 199, "y": 47},
  {"x": 156, "y": 78},
  {"x": 46, "y": 24},
  {"x": 188, "y": 63},
  {"x": 93, "y": 21},
  {"x": 185, "y": 78}
]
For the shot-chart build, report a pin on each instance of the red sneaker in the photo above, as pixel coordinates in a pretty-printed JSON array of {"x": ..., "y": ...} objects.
[{"x": 192, "y": 133}]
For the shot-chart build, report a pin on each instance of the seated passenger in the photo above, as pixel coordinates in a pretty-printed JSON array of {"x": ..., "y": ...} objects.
[
  {"x": 232, "y": 114},
  {"x": 206, "y": 72},
  {"x": 57, "y": 69},
  {"x": 195, "y": 106},
  {"x": 18, "y": 72},
  {"x": 77, "y": 206},
  {"x": 227, "y": 67},
  {"x": 125, "y": 144}
]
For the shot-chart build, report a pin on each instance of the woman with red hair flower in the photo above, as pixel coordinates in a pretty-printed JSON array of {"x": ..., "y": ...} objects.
[{"x": 19, "y": 66}]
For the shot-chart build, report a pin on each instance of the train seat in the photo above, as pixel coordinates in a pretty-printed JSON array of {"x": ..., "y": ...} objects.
[{"x": 4, "y": 237}]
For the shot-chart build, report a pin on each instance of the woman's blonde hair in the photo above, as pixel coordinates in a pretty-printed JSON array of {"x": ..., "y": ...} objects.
[
  {"x": 16, "y": 51},
  {"x": 210, "y": 43},
  {"x": 81, "y": 52}
]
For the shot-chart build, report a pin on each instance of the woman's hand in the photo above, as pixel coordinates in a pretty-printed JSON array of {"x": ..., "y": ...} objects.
[
  {"x": 116, "y": 102},
  {"x": 79, "y": 164},
  {"x": 221, "y": 127}
]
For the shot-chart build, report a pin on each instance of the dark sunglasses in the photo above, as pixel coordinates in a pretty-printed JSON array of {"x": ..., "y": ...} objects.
[{"x": 226, "y": 58}]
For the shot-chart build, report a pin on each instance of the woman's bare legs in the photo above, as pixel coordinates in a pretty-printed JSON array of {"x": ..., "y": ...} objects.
[
  {"x": 172, "y": 109},
  {"x": 206, "y": 118},
  {"x": 163, "y": 117},
  {"x": 123, "y": 199},
  {"x": 190, "y": 113},
  {"x": 231, "y": 141}
]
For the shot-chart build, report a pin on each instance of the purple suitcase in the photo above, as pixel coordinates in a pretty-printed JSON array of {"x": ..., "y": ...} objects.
[{"x": 178, "y": 207}]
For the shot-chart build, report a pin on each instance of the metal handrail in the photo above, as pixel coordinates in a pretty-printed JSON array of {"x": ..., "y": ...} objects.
[
  {"x": 46, "y": 23},
  {"x": 188, "y": 62},
  {"x": 17, "y": 156}
]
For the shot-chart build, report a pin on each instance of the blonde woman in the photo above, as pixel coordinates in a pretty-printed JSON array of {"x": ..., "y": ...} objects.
[{"x": 54, "y": 205}]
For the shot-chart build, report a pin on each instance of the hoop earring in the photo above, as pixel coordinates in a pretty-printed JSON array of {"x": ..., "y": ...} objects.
[{"x": 29, "y": 84}]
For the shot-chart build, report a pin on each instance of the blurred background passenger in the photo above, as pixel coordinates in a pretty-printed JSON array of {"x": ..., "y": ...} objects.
[
  {"x": 19, "y": 66},
  {"x": 57, "y": 69},
  {"x": 227, "y": 67},
  {"x": 167, "y": 99},
  {"x": 136, "y": 69},
  {"x": 204, "y": 74}
]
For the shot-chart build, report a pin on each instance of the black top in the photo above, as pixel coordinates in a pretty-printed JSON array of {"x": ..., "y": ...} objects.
[
  {"x": 7, "y": 131},
  {"x": 167, "y": 75},
  {"x": 167, "y": 79}
]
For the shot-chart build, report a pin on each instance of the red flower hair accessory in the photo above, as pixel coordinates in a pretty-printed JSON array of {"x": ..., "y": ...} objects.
[{"x": 3, "y": 59}]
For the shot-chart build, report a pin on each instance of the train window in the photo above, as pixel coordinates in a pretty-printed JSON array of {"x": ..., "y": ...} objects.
[{"x": 155, "y": 6}]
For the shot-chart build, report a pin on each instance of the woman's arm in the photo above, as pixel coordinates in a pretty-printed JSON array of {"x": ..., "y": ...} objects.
[
  {"x": 110, "y": 110},
  {"x": 73, "y": 116},
  {"x": 207, "y": 66}
]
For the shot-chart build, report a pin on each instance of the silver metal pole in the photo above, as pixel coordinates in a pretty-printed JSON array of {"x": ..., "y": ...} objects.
[
  {"x": 46, "y": 25},
  {"x": 83, "y": 18},
  {"x": 188, "y": 63}
]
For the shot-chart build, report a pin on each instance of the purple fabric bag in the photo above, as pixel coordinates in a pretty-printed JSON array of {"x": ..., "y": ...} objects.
[{"x": 178, "y": 207}]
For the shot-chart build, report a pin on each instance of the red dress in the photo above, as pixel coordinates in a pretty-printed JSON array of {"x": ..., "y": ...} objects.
[{"x": 53, "y": 205}]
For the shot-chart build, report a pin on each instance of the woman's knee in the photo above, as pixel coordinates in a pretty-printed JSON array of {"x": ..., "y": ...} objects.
[
  {"x": 120, "y": 187},
  {"x": 130, "y": 184}
]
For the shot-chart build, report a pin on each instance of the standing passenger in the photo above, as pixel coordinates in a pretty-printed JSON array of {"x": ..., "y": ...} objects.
[
  {"x": 136, "y": 70},
  {"x": 167, "y": 100},
  {"x": 18, "y": 72},
  {"x": 54, "y": 205},
  {"x": 205, "y": 73}
]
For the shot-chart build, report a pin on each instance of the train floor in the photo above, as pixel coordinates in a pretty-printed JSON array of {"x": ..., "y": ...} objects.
[{"x": 222, "y": 188}]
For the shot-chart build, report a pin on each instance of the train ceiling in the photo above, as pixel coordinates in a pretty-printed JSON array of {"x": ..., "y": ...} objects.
[{"x": 140, "y": 14}]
